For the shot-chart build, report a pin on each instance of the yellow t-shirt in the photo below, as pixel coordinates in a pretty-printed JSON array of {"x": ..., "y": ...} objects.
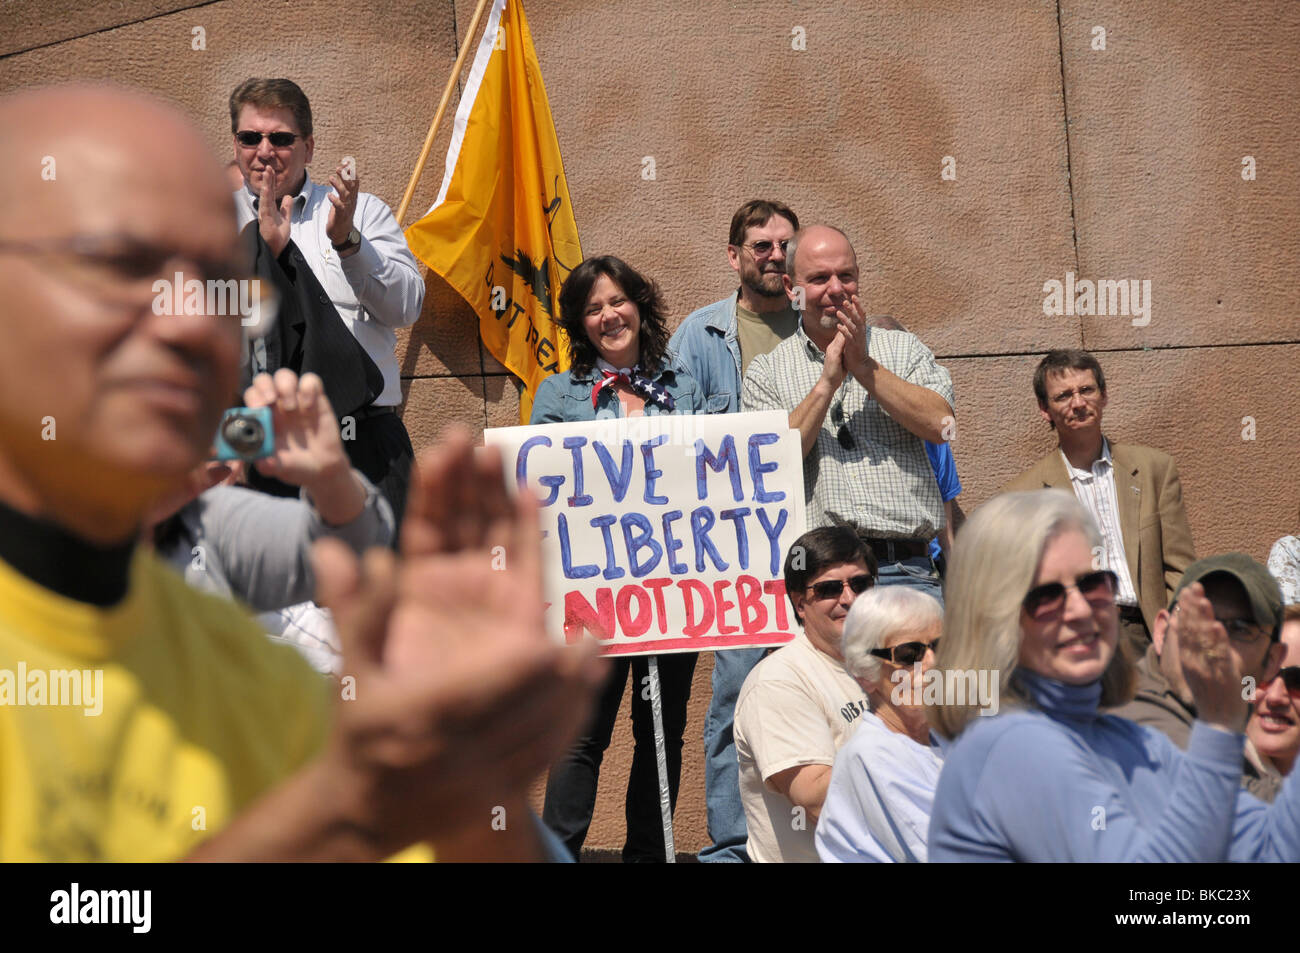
[{"x": 135, "y": 732}]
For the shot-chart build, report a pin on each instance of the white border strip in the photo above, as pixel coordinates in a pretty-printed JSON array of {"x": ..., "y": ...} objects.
[{"x": 466, "y": 106}]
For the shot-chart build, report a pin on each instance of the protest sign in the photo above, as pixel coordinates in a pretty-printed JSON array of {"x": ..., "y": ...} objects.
[{"x": 664, "y": 533}]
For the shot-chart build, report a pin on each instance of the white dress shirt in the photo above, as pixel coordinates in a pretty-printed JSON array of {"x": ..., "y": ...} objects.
[
  {"x": 1095, "y": 489},
  {"x": 376, "y": 290}
]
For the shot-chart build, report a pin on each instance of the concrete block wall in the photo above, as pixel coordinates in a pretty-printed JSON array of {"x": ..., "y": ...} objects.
[{"x": 1117, "y": 163}]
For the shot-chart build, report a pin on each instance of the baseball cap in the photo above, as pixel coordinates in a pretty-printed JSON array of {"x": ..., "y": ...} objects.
[{"x": 1261, "y": 588}]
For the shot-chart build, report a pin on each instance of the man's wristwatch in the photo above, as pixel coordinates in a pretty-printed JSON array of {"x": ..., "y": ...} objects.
[{"x": 353, "y": 240}]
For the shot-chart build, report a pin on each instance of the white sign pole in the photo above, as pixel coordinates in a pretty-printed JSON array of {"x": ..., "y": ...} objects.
[{"x": 661, "y": 759}]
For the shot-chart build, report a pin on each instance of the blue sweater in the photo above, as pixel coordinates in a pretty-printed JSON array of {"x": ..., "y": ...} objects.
[{"x": 1065, "y": 783}]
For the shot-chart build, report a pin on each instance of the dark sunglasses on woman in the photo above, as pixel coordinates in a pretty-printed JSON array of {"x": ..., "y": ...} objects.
[
  {"x": 1291, "y": 678},
  {"x": 1098, "y": 588},
  {"x": 909, "y": 653}
]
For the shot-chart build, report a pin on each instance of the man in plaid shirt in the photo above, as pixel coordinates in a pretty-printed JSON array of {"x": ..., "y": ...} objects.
[{"x": 864, "y": 400}]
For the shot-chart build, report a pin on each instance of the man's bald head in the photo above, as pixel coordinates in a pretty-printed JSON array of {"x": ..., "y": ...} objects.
[
  {"x": 92, "y": 133},
  {"x": 107, "y": 191},
  {"x": 814, "y": 235},
  {"x": 821, "y": 276}
]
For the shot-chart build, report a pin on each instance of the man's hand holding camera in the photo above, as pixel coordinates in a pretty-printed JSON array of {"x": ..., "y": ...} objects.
[{"x": 308, "y": 450}]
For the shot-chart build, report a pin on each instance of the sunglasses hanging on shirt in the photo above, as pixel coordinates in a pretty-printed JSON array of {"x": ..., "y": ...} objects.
[{"x": 843, "y": 434}]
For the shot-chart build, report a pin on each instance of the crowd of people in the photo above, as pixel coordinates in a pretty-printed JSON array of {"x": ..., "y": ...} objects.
[{"x": 1057, "y": 678}]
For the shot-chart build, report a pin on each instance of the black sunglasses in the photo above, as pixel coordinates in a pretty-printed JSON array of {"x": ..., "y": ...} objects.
[
  {"x": 843, "y": 435},
  {"x": 1291, "y": 678},
  {"x": 254, "y": 139},
  {"x": 909, "y": 653},
  {"x": 831, "y": 588},
  {"x": 1098, "y": 587}
]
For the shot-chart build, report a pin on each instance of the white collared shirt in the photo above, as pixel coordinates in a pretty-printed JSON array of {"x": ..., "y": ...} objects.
[
  {"x": 1095, "y": 489},
  {"x": 375, "y": 290}
]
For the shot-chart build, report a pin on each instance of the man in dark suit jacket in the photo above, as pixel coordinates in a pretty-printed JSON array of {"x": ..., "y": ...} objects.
[{"x": 1133, "y": 492}]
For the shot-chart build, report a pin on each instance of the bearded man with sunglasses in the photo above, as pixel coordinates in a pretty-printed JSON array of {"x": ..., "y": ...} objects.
[
  {"x": 1248, "y": 604},
  {"x": 800, "y": 704},
  {"x": 354, "y": 249},
  {"x": 1133, "y": 493}
]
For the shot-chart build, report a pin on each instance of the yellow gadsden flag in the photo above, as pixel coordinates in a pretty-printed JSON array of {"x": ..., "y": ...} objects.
[{"x": 502, "y": 231}]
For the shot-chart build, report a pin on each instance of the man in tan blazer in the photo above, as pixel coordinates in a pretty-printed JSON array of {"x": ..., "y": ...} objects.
[{"x": 1132, "y": 492}]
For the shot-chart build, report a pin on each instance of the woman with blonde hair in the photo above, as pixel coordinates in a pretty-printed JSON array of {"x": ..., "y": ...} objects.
[{"x": 1049, "y": 778}]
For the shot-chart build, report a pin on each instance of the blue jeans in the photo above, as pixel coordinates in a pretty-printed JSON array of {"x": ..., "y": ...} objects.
[
  {"x": 725, "y": 813},
  {"x": 917, "y": 572}
]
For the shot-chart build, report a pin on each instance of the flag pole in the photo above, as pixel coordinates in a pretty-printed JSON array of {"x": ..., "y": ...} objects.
[{"x": 442, "y": 108}]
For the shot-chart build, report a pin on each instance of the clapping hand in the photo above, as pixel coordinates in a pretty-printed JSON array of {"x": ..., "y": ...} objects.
[
  {"x": 344, "y": 201},
  {"x": 1210, "y": 666},
  {"x": 461, "y": 697},
  {"x": 853, "y": 329},
  {"x": 273, "y": 220}
]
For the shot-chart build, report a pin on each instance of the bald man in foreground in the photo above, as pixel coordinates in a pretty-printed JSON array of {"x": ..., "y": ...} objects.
[{"x": 143, "y": 720}]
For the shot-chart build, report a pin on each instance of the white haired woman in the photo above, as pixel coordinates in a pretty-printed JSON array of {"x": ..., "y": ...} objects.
[
  {"x": 1051, "y": 779},
  {"x": 878, "y": 804}
]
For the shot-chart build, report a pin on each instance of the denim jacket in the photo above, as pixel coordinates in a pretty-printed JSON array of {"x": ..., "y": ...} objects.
[
  {"x": 567, "y": 397},
  {"x": 707, "y": 347}
]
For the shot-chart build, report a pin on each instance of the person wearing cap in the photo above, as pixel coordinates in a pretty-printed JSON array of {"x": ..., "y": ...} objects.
[
  {"x": 1247, "y": 602},
  {"x": 1133, "y": 493}
]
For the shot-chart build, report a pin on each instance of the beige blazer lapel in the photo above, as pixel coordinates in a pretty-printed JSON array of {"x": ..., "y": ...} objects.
[
  {"x": 1053, "y": 473},
  {"x": 1128, "y": 492}
]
